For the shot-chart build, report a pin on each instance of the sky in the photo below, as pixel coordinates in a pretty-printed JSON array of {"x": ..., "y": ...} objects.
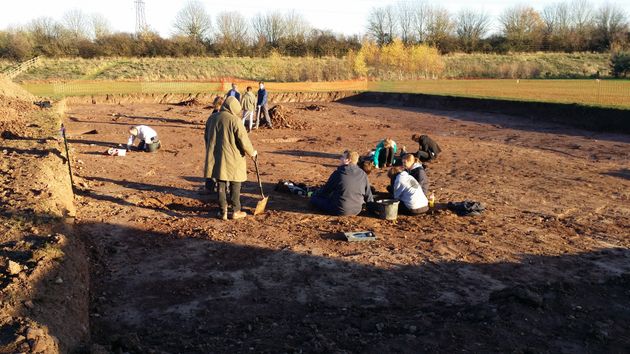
[{"x": 341, "y": 16}]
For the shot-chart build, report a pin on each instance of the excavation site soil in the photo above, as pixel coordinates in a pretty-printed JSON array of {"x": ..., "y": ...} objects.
[{"x": 545, "y": 268}]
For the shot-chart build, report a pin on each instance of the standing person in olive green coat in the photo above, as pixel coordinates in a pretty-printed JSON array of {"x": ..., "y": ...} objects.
[
  {"x": 227, "y": 145},
  {"x": 249, "y": 107}
]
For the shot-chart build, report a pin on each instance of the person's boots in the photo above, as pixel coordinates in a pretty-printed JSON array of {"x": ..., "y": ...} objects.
[
  {"x": 223, "y": 214},
  {"x": 238, "y": 215}
]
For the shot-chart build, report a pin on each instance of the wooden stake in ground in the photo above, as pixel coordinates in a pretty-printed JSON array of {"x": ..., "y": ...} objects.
[{"x": 65, "y": 142}]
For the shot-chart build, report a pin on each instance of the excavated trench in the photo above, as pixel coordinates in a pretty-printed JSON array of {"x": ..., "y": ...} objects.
[{"x": 530, "y": 275}]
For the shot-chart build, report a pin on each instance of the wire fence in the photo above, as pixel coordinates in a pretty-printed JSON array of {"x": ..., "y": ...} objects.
[{"x": 611, "y": 93}]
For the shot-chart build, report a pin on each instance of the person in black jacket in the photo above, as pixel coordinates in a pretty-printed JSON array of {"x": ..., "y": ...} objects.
[
  {"x": 347, "y": 188},
  {"x": 428, "y": 149}
]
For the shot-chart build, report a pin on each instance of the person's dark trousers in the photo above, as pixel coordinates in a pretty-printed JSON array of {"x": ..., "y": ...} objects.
[
  {"x": 211, "y": 185},
  {"x": 142, "y": 146},
  {"x": 324, "y": 204},
  {"x": 402, "y": 209},
  {"x": 424, "y": 156},
  {"x": 265, "y": 111},
  {"x": 386, "y": 157},
  {"x": 235, "y": 195}
]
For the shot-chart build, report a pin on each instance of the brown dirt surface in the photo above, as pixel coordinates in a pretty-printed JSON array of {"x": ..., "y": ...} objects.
[
  {"x": 544, "y": 269},
  {"x": 38, "y": 314}
]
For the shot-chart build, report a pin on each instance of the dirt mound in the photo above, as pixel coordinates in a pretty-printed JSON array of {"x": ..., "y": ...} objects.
[
  {"x": 314, "y": 107},
  {"x": 13, "y": 117},
  {"x": 189, "y": 103},
  {"x": 11, "y": 89},
  {"x": 282, "y": 117}
]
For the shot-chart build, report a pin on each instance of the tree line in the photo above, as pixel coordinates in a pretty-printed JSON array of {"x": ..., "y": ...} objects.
[
  {"x": 569, "y": 26},
  {"x": 564, "y": 26}
]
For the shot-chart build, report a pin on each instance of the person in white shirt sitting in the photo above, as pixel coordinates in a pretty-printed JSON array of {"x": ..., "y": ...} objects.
[
  {"x": 145, "y": 134},
  {"x": 408, "y": 191}
]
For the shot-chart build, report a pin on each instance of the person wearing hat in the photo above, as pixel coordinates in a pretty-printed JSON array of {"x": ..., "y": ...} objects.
[
  {"x": 145, "y": 134},
  {"x": 227, "y": 145}
]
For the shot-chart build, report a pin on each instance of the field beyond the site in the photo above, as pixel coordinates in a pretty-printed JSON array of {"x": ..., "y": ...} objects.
[{"x": 606, "y": 93}]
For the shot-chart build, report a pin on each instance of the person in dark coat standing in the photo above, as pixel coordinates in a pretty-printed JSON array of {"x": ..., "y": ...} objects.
[
  {"x": 428, "y": 149},
  {"x": 261, "y": 104},
  {"x": 234, "y": 93},
  {"x": 347, "y": 188}
]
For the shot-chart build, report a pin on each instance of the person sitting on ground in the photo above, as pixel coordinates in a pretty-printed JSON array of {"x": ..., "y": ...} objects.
[
  {"x": 367, "y": 166},
  {"x": 227, "y": 144},
  {"x": 145, "y": 134},
  {"x": 407, "y": 190},
  {"x": 249, "y": 107},
  {"x": 347, "y": 189},
  {"x": 385, "y": 153},
  {"x": 416, "y": 170},
  {"x": 428, "y": 149},
  {"x": 234, "y": 93},
  {"x": 216, "y": 104}
]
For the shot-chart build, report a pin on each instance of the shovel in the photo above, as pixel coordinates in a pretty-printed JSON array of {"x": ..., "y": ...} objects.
[{"x": 262, "y": 204}]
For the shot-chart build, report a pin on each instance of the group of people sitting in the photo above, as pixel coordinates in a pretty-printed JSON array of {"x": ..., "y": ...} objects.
[{"x": 348, "y": 188}]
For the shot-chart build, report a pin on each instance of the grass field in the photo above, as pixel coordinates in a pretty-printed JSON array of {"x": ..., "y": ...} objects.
[{"x": 613, "y": 93}]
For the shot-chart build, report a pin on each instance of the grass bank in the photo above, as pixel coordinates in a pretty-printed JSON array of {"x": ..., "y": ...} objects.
[{"x": 289, "y": 69}]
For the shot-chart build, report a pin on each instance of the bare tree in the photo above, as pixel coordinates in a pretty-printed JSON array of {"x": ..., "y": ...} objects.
[
  {"x": 582, "y": 19},
  {"x": 610, "y": 25},
  {"x": 270, "y": 27},
  {"x": 296, "y": 26},
  {"x": 44, "y": 28},
  {"x": 523, "y": 27},
  {"x": 232, "y": 31},
  {"x": 420, "y": 13},
  {"x": 439, "y": 26},
  {"x": 77, "y": 23},
  {"x": 100, "y": 26},
  {"x": 406, "y": 17},
  {"x": 558, "y": 25},
  {"x": 382, "y": 24},
  {"x": 193, "y": 21},
  {"x": 471, "y": 27}
]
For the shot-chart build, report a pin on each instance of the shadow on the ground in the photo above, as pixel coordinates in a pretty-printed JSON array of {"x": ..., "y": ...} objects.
[
  {"x": 492, "y": 116},
  {"x": 199, "y": 295},
  {"x": 306, "y": 153},
  {"x": 623, "y": 173}
]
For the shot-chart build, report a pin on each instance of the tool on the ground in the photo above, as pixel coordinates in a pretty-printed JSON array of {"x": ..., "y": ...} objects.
[
  {"x": 262, "y": 204},
  {"x": 65, "y": 142},
  {"x": 360, "y": 236}
]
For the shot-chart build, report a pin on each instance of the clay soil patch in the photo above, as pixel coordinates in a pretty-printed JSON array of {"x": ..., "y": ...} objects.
[{"x": 544, "y": 269}]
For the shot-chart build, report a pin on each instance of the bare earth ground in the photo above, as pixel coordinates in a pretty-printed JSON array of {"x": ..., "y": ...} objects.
[{"x": 544, "y": 269}]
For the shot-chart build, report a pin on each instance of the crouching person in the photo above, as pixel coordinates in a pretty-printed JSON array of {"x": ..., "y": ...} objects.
[
  {"x": 406, "y": 189},
  {"x": 347, "y": 188},
  {"x": 148, "y": 138},
  {"x": 227, "y": 144}
]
